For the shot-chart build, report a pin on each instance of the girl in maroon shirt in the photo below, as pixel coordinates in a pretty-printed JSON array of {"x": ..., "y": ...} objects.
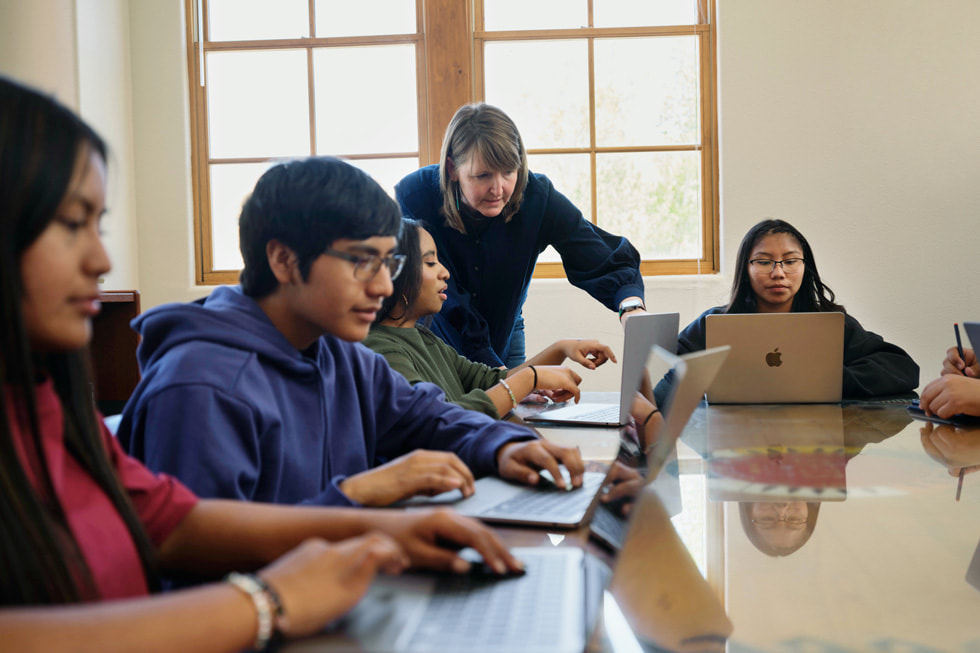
[{"x": 82, "y": 523}]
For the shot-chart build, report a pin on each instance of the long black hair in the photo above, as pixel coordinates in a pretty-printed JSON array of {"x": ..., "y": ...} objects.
[
  {"x": 406, "y": 288},
  {"x": 814, "y": 295},
  {"x": 40, "y": 144}
]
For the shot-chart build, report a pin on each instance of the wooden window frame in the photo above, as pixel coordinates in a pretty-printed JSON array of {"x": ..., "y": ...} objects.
[{"x": 449, "y": 63}]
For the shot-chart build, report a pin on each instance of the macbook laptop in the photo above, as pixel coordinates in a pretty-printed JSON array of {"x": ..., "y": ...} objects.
[
  {"x": 642, "y": 332},
  {"x": 497, "y": 501},
  {"x": 778, "y": 358},
  {"x": 692, "y": 374}
]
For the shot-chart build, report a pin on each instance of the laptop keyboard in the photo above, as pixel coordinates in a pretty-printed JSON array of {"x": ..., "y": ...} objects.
[
  {"x": 554, "y": 503},
  {"x": 505, "y": 614},
  {"x": 604, "y": 414}
]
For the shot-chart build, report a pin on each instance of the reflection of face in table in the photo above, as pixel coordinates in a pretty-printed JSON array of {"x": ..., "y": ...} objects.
[{"x": 778, "y": 528}]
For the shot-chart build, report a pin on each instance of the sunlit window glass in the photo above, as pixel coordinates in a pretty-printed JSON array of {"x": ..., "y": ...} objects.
[
  {"x": 231, "y": 184},
  {"x": 534, "y": 14},
  {"x": 632, "y": 13},
  {"x": 387, "y": 172},
  {"x": 253, "y": 20},
  {"x": 364, "y": 17},
  {"x": 655, "y": 198},
  {"x": 258, "y": 103},
  {"x": 646, "y": 91},
  {"x": 365, "y": 99},
  {"x": 550, "y": 110}
]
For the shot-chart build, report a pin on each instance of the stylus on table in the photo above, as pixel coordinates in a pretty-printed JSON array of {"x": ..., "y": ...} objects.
[{"x": 959, "y": 484}]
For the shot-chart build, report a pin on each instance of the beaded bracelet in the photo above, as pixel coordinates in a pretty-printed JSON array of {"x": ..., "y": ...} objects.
[
  {"x": 535, "y": 386},
  {"x": 268, "y": 608},
  {"x": 652, "y": 413},
  {"x": 513, "y": 399}
]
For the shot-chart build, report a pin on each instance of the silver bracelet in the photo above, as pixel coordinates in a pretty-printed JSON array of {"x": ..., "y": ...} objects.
[
  {"x": 513, "y": 399},
  {"x": 266, "y": 605}
]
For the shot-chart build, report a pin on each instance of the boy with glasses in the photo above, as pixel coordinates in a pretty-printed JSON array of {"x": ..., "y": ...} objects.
[{"x": 260, "y": 392}]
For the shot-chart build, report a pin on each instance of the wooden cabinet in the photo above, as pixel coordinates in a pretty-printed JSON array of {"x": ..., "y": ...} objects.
[{"x": 113, "y": 349}]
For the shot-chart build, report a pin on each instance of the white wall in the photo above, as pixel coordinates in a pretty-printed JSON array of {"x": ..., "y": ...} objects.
[
  {"x": 37, "y": 46},
  {"x": 106, "y": 102},
  {"x": 78, "y": 50},
  {"x": 854, "y": 120}
]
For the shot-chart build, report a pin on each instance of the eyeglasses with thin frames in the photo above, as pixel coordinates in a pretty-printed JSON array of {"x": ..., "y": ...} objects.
[
  {"x": 772, "y": 521},
  {"x": 366, "y": 266},
  {"x": 766, "y": 266}
]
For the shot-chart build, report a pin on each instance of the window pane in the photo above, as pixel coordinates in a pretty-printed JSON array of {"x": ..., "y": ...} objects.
[
  {"x": 387, "y": 172},
  {"x": 534, "y": 14},
  {"x": 258, "y": 103},
  {"x": 231, "y": 184},
  {"x": 572, "y": 178},
  {"x": 630, "y": 13},
  {"x": 364, "y": 17},
  {"x": 252, "y": 20},
  {"x": 366, "y": 99},
  {"x": 658, "y": 107},
  {"x": 654, "y": 199},
  {"x": 551, "y": 109}
]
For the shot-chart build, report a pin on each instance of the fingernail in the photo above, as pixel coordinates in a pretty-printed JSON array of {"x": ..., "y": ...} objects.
[
  {"x": 460, "y": 566},
  {"x": 500, "y": 567}
]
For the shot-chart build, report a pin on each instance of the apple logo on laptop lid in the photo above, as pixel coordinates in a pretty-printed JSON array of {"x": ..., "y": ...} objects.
[{"x": 774, "y": 358}]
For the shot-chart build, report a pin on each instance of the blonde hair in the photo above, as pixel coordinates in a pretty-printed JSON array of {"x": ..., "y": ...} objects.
[{"x": 488, "y": 131}]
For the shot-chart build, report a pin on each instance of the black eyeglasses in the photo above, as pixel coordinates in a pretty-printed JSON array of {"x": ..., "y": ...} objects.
[
  {"x": 768, "y": 521},
  {"x": 789, "y": 265},
  {"x": 366, "y": 266}
]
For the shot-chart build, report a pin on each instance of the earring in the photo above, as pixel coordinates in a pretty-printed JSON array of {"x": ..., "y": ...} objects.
[{"x": 457, "y": 198}]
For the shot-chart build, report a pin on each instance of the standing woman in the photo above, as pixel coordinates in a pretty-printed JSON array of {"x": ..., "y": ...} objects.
[
  {"x": 776, "y": 272},
  {"x": 490, "y": 219},
  {"x": 86, "y": 531}
]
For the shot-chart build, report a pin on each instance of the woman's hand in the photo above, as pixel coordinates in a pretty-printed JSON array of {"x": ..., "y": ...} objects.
[
  {"x": 318, "y": 581},
  {"x": 420, "y": 472},
  {"x": 966, "y": 366},
  {"x": 560, "y": 381},
  {"x": 590, "y": 354}
]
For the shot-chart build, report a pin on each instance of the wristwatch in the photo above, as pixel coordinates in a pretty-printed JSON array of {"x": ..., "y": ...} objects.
[{"x": 630, "y": 305}]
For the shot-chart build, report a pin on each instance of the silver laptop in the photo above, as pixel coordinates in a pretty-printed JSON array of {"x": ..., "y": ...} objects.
[
  {"x": 497, "y": 501},
  {"x": 778, "y": 358},
  {"x": 692, "y": 374},
  {"x": 641, "y": 332}
]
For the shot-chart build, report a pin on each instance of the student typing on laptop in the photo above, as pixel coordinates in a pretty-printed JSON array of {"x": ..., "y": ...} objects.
[
  {"x": 776, "y": 272},
  {"x": 415, "y": 351}
]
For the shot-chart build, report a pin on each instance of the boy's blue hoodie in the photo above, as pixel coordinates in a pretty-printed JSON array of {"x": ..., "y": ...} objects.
[{"x": 227, "y": 405}]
